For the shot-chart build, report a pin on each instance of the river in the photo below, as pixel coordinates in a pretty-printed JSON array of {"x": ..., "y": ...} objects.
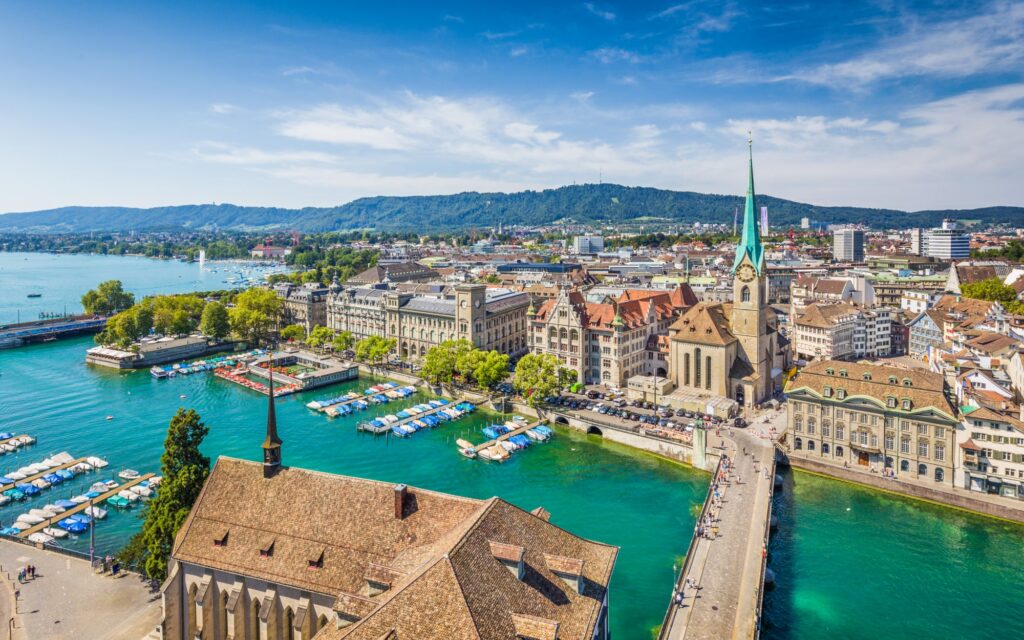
[{"x": 851, "y": 563}]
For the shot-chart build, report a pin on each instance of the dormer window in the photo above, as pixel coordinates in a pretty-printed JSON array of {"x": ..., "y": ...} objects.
[
  {"x": 893, "y": 380},
  {"x": 842, "y": 373},
  {"x": 827, "y": 392},
  {"x": 267, "y": 548},
  {"x": 220, "y": 539},
  {"x": 907, "y": 404},
  {"x": 907, "y": 382},
  {"x": 866, "y": 375},
  {"x": 830, "y": 371},
  {"x": 841, "y": 393},
  {"x": 318, "y": 562},
  {"x": 890, "y": 402}
]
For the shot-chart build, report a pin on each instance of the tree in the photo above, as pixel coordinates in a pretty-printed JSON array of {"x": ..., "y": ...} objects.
[
  {"x": 491, "y": 369},
  {"x": 374, "y": 349},
  {"x": 991, "y": 289},
  {"x": 442, "y": 361},
  {"x": 536, "y": 377},
  {"x": 214, "y": 322},
  {"x": 184, "y": 469},
  {"x": 343, "y": 341},
  {"x": 293, "y": 332},
  {"x": 254, "y": 313},
  {"x": 319, "y": 337},
  {"x": 175, "y": 315},
  {"x": 109, "y": 297}
]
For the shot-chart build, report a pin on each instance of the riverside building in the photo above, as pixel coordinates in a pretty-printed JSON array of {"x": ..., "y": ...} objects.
[
  {"x": 273, "y": 552},
  {"x": 875, "y": 418}
]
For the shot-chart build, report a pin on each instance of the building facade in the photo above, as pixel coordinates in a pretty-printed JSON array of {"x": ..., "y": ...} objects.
[
  {"x": 304, "y": 305},
  {"x": 992, "y": 446},
  {"x": 947, "y": 242},
  {"x": 587, "y": 245},
  {"x": 837, "y": 331},
  {"x": 875, "y": 418},
  {"x": 848, "y": 245}
]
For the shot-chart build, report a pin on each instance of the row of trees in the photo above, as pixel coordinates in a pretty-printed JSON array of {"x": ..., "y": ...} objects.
[{"x": 459, "y": 358}]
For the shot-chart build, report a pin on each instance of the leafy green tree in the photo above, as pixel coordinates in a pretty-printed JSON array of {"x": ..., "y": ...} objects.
[
  {"x": 343, "y": 341},
  {"x": 491, "y": 369},
  {"x": 184, "y": 469},
  {"x": 319, "y": 337},
  {"x": 536, "y": 377},
  {"x": 991, "y": 289},
  {"x": 293, "y": 332},
  {"x": 214, "y": 322},
  {"x": 442, "y": 361},
  {"x": 175, "y": 315},
  {"x": 374, "y": 349},
  {"x": 109, "y": 297},
  {"x": 255, "y": 312},
  {"x": 566, "y": 377}
]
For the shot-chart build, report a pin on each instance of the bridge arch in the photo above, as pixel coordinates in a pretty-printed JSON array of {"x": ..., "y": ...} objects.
[{"x": 595, "y": 430}]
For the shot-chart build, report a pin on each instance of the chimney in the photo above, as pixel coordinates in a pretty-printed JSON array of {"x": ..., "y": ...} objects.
[
  {"x": 511, "y": 556},
  {"x": 400, "y": 492},
  {"x": 570, "y": 570}
]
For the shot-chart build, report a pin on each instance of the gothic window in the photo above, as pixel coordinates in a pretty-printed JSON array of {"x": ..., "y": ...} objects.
[
  {"x": 707, "y": 373},
  {"x": 745, "y": 294},
  {"x": 696, "y": 368},
  {"x": 686, "y": 369}
]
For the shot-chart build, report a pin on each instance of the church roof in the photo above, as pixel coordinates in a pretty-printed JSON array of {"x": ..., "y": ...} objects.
[
  {"x": 750, "y": 240},
  {"x": 439, "y": 557},
  {"x": 706, "y": 323}
]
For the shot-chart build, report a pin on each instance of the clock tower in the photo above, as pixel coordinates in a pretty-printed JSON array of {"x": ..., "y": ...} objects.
[{"x": 750, "y": 297}]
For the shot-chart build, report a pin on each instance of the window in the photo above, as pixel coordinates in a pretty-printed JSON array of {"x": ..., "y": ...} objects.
[
  {"x": 866, "y": 375},
  {"x": 892, "y": 379},
  {"x": 810, "y": 445},
  {"x": 824, "y": 448},
  {"x": 840, "y": 432},
  {"x": 922, "y": 469},
  {"x": 825, "y": 430},
  {"x": 686, "y": 370},
  {"x": 890, "y": 441},
  {"x": 904, "y": 465},
  {"x": 922, "y": 429},
  {"x": 827, "y": 391},
  {"x": 841, "y": 393},
  {"x": 939, "y": 474},
  {"x": 810, "y": 426},
  {"x": 798, "y": 424},
  {"x": 839, "y": 452},
  {"x": 907, "y": 382},
  {"x": 798, "y": 444},
  {"x": 890, "y": 402},
  {"x": 696, "y": 367},
  {"x": 904, "y": 445},
  {"x": 842, "y": 373},
  {"x": 922, "y": 448},
  {"x": 906, "y": 404},
  {"x": 940, "y": 432},
  {"x": 707, "y": 372},
  {"x": 940, "y": 452},
  {"x": 745, "y": 294}
]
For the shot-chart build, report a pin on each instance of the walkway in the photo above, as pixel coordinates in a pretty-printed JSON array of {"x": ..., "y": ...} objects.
[
  {"x": 68, "y": 600},
  {"x": 727, "y": 570}
]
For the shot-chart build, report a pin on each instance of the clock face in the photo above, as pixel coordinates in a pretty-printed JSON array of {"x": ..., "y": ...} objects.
[{"x": 746, "y": 273}]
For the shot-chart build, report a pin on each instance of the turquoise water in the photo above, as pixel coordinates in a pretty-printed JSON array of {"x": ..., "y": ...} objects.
[
  {"x": 855, "y": 563},
  {"x": 595, "y": 489}
]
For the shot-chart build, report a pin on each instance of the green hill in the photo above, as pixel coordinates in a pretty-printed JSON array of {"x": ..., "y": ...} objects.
[{"x": 590, "y": 203}]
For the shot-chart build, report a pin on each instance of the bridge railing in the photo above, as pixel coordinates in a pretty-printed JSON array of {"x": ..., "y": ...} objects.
[
  {"x": 759, "y": 593},
  {"x": 670, "y": 613}
]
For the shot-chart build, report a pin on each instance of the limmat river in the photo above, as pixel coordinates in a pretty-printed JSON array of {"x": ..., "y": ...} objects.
[{"x": 850, "y": 563}]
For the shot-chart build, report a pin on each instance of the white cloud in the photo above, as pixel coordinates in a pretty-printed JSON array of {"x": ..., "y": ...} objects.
[
  {"x": 609, "y": 55},
  {"x": 223, "y": 108},
  {"x": 988, "y": 42},
  {"x": 928, "y": 156},
  {"x": 582, "y": 96},
  {"x": 604, "y": 14},
  {"x": 519, "y": 51}
]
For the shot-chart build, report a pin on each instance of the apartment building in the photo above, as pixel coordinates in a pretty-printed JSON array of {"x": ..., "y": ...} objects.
[{"x": 842, "y": 331}]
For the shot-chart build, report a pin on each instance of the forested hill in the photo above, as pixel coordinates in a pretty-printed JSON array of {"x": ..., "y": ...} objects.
[{"x": 580, "y": 203}]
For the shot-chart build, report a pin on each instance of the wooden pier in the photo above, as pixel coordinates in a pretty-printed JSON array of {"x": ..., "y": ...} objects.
[
  {"x": 41, "y": 474},
  {"x": 506, "y": 436},
  {"x": 8, "y": 440},
  {"x": 82, "y": 507},
  {"x": 366, "y": 426}
]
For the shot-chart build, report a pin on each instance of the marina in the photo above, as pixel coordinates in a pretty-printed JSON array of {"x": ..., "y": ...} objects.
[
  {"x": 14, "y": 484},
  {"x": 84, "y": 506},
  {"x": 510, "y": 432},
  {"x": 422, "y": 416}
]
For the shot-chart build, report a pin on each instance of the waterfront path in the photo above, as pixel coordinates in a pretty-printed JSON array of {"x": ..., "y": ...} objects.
[
  {"x": 69, "y": 600},
  {"x": 723, "y": 575}
]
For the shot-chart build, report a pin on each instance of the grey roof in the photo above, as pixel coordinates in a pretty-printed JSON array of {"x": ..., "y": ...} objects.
[{"x": 435, "y": 306}]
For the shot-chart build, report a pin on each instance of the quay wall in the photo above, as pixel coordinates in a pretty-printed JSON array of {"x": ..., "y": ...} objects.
[{"x": 959, "y": 500}]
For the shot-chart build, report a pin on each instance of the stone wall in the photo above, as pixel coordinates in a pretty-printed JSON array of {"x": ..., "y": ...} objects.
[{"x": 961, "y": 500}]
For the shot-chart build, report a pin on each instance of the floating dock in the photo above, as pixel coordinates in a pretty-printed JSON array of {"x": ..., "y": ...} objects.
[
  {"x": 505, "y": 436},
  {"x": 42, "y": 473},
  {"x": 82, "y": 507},
  {"x": 20, "y": 444},
  {"x": 366, "y": 426}
]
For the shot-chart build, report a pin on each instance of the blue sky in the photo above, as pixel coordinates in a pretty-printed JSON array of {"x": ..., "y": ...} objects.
[{"x": 900, "y": 104}]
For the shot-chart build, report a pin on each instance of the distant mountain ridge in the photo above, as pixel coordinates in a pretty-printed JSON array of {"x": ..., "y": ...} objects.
[{"x": 588, "y": 203}]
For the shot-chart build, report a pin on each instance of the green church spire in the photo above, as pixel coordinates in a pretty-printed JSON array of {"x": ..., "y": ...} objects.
[{"x": 750, "y": 241}]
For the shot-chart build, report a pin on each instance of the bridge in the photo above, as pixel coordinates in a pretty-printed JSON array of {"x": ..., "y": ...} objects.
[
  {"x": 17, "y": 334},
  {"x": 722, "y": 579}
]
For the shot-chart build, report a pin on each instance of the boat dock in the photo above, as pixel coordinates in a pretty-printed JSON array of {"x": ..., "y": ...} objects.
[
  {"x": 82, "y": 507},
  {"x": 505, "y": 436},
  {"x": 366, "y": 426},
  {"x": 8, "y": 440},
  {"x": 42, "y": 473}
]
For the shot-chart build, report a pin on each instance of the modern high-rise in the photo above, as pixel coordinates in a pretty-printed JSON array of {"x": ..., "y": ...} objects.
[
  {"x": 947, "y": 242},
  {"x": 584, "y": 245},
  {"x": 848, "y": 245}
]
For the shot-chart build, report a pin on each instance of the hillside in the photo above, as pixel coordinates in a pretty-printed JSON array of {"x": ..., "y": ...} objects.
[{"x": 581, "y": 203}]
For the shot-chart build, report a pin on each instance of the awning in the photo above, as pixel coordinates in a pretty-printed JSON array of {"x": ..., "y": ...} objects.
[{"x": 994, "y": 480}]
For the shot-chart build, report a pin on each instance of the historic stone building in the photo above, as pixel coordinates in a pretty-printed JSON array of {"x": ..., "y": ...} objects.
[
  {"x": 270, "y": 552},
  {"x": 304, "y": 305},
  {"x": 608, "y": 342},
  {"x": 732, "y": 350},
  {"x": 358, "y": 310},
  {"x": 874, "y": 417}
]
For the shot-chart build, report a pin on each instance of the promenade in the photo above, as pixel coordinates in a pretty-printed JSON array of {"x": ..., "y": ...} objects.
[
  {"x": 68, "y": 600},
  {"x": 722, "y": 578}
]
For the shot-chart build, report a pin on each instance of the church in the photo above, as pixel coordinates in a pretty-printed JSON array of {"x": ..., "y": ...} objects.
[{"x": 732, "y": 350}]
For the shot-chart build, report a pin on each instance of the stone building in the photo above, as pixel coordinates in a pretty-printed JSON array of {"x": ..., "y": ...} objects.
[
  {"x": 608, "y": 342},
  {"x": 396, "y": 272},
  {"x": 304, "y": 305},
  {"x": 874, "y": 417},
  {"x": 358, "y": 310},
  {"x": 271, "y": 552},
  {"x": 732, "y": 350},
  {"x": 826, "y": 331}
]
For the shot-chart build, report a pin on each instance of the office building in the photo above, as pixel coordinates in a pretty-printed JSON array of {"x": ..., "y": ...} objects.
[
  {"x": 587, "y": 245},
  {"x": 848, "y": 245}
]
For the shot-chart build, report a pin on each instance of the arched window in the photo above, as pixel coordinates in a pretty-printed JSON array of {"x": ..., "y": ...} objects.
[
  {"x": 798, "y": 444},
  {"x": 824, "y": 448},
  {"x": 745, "y": 294},
  {"x": 810, "y": 445},
  {"x": 256, "y": 631},
  {"x": 606, "y": 375},
  {"x": 922, "y": 469},
  {"x": 707, "y": 373},
  {"x": 696, "y": 367},
  {"x": 904, "y": 465},
  {"x": 939, "y": 474},
  {"x": 574, "y": 335},
  {"x": 289, "y": 624},
  {"x": 686, "y": 369},
  {"x": 192, "y": 626},
  {"x": 839, "y": 452}
]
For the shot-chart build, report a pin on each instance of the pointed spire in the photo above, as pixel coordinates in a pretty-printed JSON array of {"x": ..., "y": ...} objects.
[
  {"x": 272, "y": 443},
  {"x": 750, "y": 240}
]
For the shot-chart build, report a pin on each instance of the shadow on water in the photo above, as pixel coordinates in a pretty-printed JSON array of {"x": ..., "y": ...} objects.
[{"x": 779, "y": 603}]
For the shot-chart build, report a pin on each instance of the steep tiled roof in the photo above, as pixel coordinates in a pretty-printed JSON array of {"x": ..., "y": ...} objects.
[
  {"x": 825, "y": 315},
  {"x": 707, "y": 323},
  {"x": 446, "y": 582}
]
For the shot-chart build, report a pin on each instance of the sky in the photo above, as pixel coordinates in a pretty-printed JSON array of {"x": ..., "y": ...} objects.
[{"x": 909, "y": 105}]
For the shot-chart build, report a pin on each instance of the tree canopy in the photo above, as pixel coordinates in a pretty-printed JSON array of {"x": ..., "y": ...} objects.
[
  {"x": 255, "y": 312},
  {"x": 343, "y": 341},
  {"x": 374, "y": 349},
  {"x": 107, "y": 298},
  {"x": 538, "y": 376},
  {"x": 293, "y": 332},
  {"x": 214, "y": 322},
  {"x": 319, "y": 337}
]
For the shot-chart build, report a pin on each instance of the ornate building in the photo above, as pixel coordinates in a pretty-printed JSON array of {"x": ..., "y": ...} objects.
[
  {"x": 270, "y": 552},
  {"x": 732, "y": 349}
]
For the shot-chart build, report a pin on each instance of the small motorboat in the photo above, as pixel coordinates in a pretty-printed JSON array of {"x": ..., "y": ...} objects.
[
  {"x": 73, "y": 526},
  {"x": 96, "y": 512},
  {"x": 469, "y": 453},
  {"x": 128, "y": 474},
  {"x": 56, "y": 508},
  {"x": 80, "y": 499},
  {"x": 31, "y": 518},
  {"x": 55, "y": 532}
]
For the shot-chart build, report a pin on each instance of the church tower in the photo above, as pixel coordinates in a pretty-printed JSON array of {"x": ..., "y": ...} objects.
[
  {"x": 272, "y": 443},
  {"x": 750, "y": 294}
]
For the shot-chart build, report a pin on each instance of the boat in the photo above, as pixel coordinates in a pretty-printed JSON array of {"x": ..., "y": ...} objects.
[
  {"x": 73, "y": 526},
  {"x": 66, "y": 504},
  {"x": 40, "y": 538},
  {"x": 128, "y": 474},
  {"x": 79, "y": 499},
  {"x": 35, "y": 295},
  {"x": 159, "y": 373},
  {"x": 4, "y": 499},
  {"x": 55, "y": 532},
  {"x": 10, "y": 531},
  {"x": 21, "y": 525},
  {"x": 131, "y": 497},
  {"x": 56, "y": 508},
  {"x": 31, "y": 518},
  {"x": 96, "y": 512},
  {"x": 97, "y": 463},
  {"x": 118, "y": 501}
]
